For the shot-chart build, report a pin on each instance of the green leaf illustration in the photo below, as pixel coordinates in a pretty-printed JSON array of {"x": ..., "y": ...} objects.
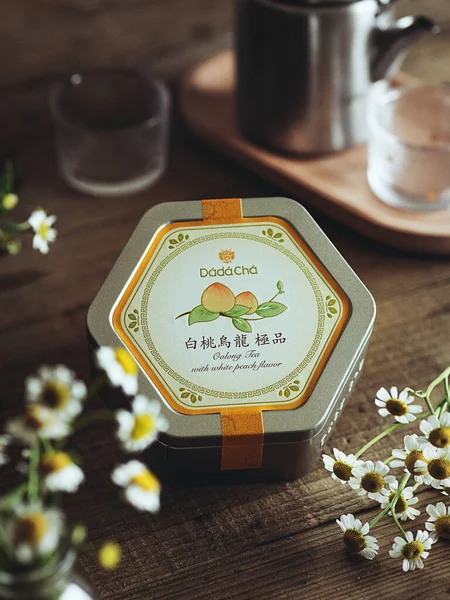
[
  {"x": 199, "y": 398},
  {"x": 181, "y": 389},
  {"x": 185, "y": 395},
  {"x": 237, "y": 311},
  {"x": 270, "y": 309},
  {"x": 332, "y": 310},
  {"x": 201, "y": 315},
  {"x": 287, "y": 393},
  {"x": 193, "y": 398},
  {"x": 280, "y": 287},
  {"x": 294, "y": 388},
  {"x": 172, "y": 241},
  {"x": 180, "y": 237},
  {"x": 331, "y": 302},
  {"x": 186, "y": 237},
  {"x": 277, "y": 235},
  {"x": 280, "y": 393},
  {"x": 270, "y": 232},
  {"x": 242, "y": 325}
]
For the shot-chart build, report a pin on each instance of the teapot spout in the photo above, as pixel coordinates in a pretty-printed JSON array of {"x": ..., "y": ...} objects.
[{"x": 389, "y": 45}]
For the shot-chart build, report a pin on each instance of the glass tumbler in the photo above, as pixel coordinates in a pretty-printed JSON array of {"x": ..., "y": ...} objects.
[
  {"x": 409, "y": 145},
  {"x": 111, "y": 128}
]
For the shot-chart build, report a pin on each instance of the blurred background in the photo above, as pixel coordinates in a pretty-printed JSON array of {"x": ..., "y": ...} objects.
[{"x": 40, "y": 40}]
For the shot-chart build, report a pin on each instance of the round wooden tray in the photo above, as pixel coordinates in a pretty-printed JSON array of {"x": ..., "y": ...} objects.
[{"x": 335, "y": 184}]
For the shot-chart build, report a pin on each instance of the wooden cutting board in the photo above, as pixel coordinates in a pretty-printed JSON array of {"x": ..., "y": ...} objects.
[{"x": 335, "y": 184}]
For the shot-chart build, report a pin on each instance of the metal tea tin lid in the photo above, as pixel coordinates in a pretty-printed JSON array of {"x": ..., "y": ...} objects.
[{"x": 242, "y": 316}]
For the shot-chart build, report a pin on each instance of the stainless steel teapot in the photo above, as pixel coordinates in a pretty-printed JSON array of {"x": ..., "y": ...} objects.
[{"x": 304, "y": 68}]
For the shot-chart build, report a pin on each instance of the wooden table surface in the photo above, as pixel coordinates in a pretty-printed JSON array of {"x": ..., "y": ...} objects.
[{"x": 242, "y": 541}]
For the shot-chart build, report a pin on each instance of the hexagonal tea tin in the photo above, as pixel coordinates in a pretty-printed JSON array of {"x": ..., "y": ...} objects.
[{"x": 247, "y": 324}]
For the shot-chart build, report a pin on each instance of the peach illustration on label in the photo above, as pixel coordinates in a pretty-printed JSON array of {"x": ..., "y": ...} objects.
[
  {"x": 218, "y": 298},
  {"x": 249, "y": 300},
  {"x": 219, "y": 301}
]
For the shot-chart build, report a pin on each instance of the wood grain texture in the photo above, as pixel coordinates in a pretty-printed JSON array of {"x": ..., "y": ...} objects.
[{"x": 218, "y": 542}]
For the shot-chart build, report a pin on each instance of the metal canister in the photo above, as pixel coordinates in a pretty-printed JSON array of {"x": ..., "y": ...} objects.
[{"x": 247, "y": 324}]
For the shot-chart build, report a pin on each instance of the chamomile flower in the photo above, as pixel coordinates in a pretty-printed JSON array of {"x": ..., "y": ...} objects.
[
  {"x": 438, "y": 523},
  {"x": 120, "y": 368},
  {"x": 400, "y": 406},
  {"x": 356, "y": 538},
  {"x": 4, "y": 442},
  {"x": 44, "y": 233},
  {"x": 370, "y": 478},
  {"x": 341, "y": 465},
  {"x": 60, "y": 473},
  {"x": 141, "y": 488},
  {"x": 37, "y": 422},
  {"x": 407, "y": 458},
  {"x": 436, "y": 430},
  {"x": 436, "y": 461},
  {"x": 34, "y": 531},
  {"x": 403, "y": 507},
  {"x": 139, "y": 428},
  {"x": 412, "y": 551},
  {"x": 57, "y": 389}
]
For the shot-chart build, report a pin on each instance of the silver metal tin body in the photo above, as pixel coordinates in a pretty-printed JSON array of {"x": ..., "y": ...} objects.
[
  {"x": 191, "y": 449},
  {"x": 304, "y": 70}
]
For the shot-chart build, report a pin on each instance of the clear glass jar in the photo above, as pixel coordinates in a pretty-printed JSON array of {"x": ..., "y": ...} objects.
[{"x": 58, "y": 581}]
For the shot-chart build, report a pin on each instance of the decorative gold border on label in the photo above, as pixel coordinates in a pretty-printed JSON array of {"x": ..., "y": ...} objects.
[{"x": 157, "y": 379}]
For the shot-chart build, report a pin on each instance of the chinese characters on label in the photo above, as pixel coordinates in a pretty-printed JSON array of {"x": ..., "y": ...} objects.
[{"x": 239, "y": 341}]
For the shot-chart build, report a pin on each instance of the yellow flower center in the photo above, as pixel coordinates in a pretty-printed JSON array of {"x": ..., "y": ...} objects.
[
  {"x": 43, "y": 230},
  {"x": 143, "y": 425},
  {"x": 55, "y": 395},
  {"x": 147, "y": 481},
  {"x": 30, "y": 529},
  {"x": 440, "y": 437},
  {"x": 439, "y": 468},
  {"x": 33, "y": 419},
  {"x": 342, "y": 470},
  {"x": 411, "y": 459},
  {"x": 401, "y": 505},
  {"x": 354, "y": 540},
  {"x": 126, "y": 361},
  {"x": 110, "y": 555},
  {"x": 442, "y": 525},
  {"x": 51, "y": 463},
  {"x": 396, "y": 407},
  {"x": 412, "y": 550},
  {"x": 372, "y": 482}
]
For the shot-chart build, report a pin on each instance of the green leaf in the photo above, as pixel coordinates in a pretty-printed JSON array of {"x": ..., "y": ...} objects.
[
  {"x": 332, "y": 310},
  {"x": 201, "y": 315},
  {"x": 281, "y": 240},
  {"x": 270, "y": 232},
  {"x": 328, "y": 297},
  {"x": 296, "y": 381},
  {"x": 280, "y": 286},
  {"x": 237, "y": 311},
  {"x": 181, "y": 389},
  {"x": 331, "y": 302},
  {"x": 242, "y": 325},
  {"x": 277, "y": 235},
  {"x": 186, "y": 238},
  {"x": 137, "y": 329},
  {"x": 199, "y": 398},
  {"x": 135, "y": 311},
  {"x": 180, "y": 237},
  {"x": 264, "y": 232},
  {"x": 280, "y": 393},
  {"x": 287, "y": 393},
  {"x": 185, "y": 395},
  {"x": 172, "y": 241},
  {"x": 193, "y": 398},
  {"x": 170, "y": 247},
  {"x": 294, "y": 388},
  {"x": 270, "y": 309}
]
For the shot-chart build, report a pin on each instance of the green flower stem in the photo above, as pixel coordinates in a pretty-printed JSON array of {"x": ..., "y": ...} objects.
[
  {"x": 96, "y": 416},
  {"x": 378, "y": 437},
  {"x": 48, "y": 448},
  {"x": 10, "y": 498},
  {"x": 8, "y": 178},
  {"x": 388, "y": 460},
  {"x": 391, "y": 505},
  {"x": 5, "y": 543},
  {"x": 447, "y": 391},
  {"x": 387, "y": 431},
  {"x": 12, "y": 227},
  {"x": 33, "y": 474},
  {"x": 394, "y": 502}
]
